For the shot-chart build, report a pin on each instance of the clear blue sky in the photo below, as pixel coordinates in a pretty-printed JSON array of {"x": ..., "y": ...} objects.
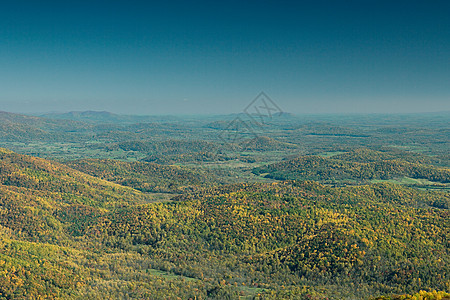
[{"x": 196, "y": 57}]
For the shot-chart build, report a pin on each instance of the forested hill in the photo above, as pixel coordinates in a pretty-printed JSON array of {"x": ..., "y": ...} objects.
[
  {"x": 31, "y": 175},
  {"x": 67, "y": 235},
  {"x": 365, "y": 155},
  {"x": 144, "y": 176},
  {"x": 263, "y": 143},
  {"x": 20, "y": 128},
  {"x": 357, "y": 165}
]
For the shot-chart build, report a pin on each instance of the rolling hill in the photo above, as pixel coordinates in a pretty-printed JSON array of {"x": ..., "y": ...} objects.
[
  {"x": 33, "y": 175},
  {"x": 263, "y": 143},
  {"x": 144, "y": 176},
  {"x": 68, "y": 235},
  {"x": 20, "y": 128},
  {"x": 358, "y": 165}
]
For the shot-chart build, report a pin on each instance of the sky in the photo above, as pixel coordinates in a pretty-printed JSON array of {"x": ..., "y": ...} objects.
[{"x": 215, "y": 57}]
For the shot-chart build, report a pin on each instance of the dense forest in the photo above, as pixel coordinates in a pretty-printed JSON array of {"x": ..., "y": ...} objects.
[
  {"x": 144, "y": 176},
  {"x": 357, "y": 165},
  {"x": 134, "y": 217}
]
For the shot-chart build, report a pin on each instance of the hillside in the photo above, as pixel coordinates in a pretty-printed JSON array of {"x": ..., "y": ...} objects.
[
  {"x": 263, "y": 143},
  {"x": 365, "y": 155},
  {"x": 143, "y": 176},
  {"x": 44, "y": 206},
  {"x": 35, "y": 176},
  {"x": 266, "y": 236},
  {"x": 20, "y": 128},
  {"x": 357, "y": 165},
  {"x": 83, "y": 237},
  {"x": 166, "y": 147}
]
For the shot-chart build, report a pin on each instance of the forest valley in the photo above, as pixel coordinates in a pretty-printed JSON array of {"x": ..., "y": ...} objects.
[{"x": 101, "y": 206}]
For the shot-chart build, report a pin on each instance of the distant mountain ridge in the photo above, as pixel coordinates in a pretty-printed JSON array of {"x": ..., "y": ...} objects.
[
  {"x": 20, "y": 128},
  {"x": 92, "y": 116},
  {"x": 38, "y": 121}
]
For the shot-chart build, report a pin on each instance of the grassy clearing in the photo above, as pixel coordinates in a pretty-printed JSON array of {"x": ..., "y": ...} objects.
[
  {"x": 417, "y": 182},
  {"x": 169, "y": 276},
  {"x": 162, "y": 197},
  {"x": 248, "y": 293},
  {"x": 330, "y": 153}
]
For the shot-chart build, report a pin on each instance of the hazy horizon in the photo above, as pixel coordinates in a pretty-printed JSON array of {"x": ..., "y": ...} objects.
[
  {"x": 202, "y": 58},
  {"x": 118, "y": 113}
]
